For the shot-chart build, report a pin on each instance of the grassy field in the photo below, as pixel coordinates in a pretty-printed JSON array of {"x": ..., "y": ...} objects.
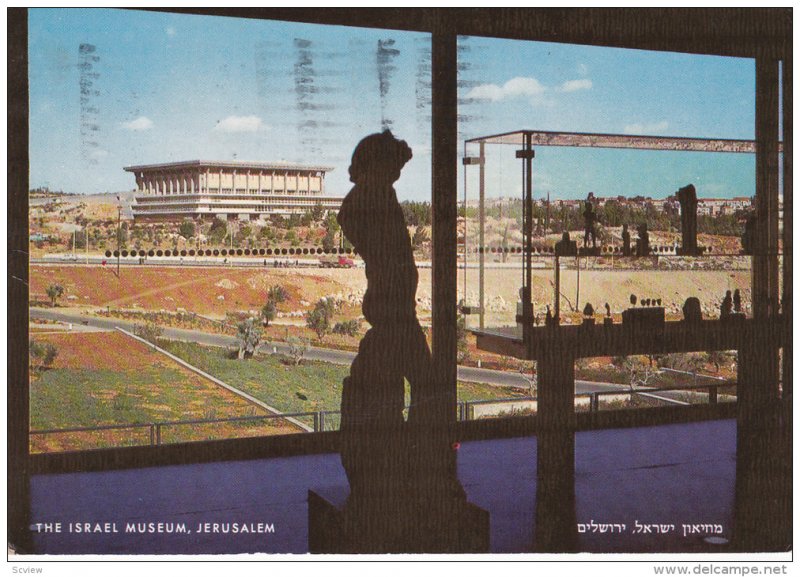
[
  {"x": 109, "y": 379},
  {"x": 310, "y": 387}
]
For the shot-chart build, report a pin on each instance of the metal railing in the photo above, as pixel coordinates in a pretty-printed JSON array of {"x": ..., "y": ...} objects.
[
  {"x": 710, "y": 392},
  {"x": 156, "y": 430},
  {"x": 465, "y": 411}
]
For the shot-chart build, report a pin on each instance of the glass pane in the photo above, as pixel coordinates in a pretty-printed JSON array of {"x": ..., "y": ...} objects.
[
  {"x": 625, "y": 130},
  {"x": 186, "y": 174}
]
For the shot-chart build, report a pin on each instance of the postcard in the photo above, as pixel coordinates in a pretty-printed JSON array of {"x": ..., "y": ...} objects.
[{"x": 401, "y": 282}]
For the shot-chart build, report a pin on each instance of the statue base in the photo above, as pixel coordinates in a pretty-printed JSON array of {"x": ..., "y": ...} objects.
[
  {"x": 733, "y": 317},
  {"x": 333, "y": 530},
  {"x": 644, "y": 318}
]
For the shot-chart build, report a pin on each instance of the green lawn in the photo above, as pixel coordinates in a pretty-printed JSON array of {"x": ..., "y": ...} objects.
[
  {"x": 62, "y": 398},
  {"x": 310, "y": 387},
  {"x": 69, "y": 398}
]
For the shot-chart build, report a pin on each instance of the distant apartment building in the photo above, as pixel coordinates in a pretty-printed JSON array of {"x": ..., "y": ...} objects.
[
  {"x": 200, "y": 189},
  {"x": 720, "y": 206}
]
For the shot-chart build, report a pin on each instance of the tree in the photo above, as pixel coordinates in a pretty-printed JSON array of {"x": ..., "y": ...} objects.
[
  {"x": 187, "y": 229},
  {"x": 688, "y": 362},
  {"x": 420, "y": 237},
  {"x": 54, "y": 292},
  {"x": 716, "y": 358},
  {"x": 640, "y": 373},
  {"x": 44, "y": 353},
  {"x": 268, "y": 312},
  {"x": 317, "y": 212},
  {"x": 331, "y": 228},
  {"x": 217, "y": 232},
  {"x": 532, "y": 380},
  {"x": 319, "y": 319},
  {"x": 297, "y": 349},
  {"x": 266, "y": 233},
  {"x": 328, "y": 242},
  {"x": 248, "y": 336},
  {"x": 277, "y": 293},
  {"x": 80, "y": 239},
  {"x": 505, "y": 243},
  {"x": 461, "y": 338},
  {"x": 416, "y": 213}
]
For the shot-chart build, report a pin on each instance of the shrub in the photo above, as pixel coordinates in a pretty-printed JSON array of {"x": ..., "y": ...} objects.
[
  {"x": 277, "y": 294},
  {"x": 349, "y": 328},
  {"x": 149, "y": 331},
  {"x": 249, "y": 337},
  {"x": 297, "y": 349}
]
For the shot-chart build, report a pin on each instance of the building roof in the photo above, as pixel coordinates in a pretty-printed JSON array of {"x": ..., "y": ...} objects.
[{"x": 228, "y": 164}]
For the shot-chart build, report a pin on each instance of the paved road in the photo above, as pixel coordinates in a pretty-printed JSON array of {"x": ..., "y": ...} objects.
[{"x": 467, "y": 374}]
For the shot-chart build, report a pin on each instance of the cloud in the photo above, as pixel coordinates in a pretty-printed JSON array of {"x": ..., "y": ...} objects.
[
  {"x": 583, "y": 70},
  {"x": 525, "y": 87},
  {"x": 170, "y": 31},
  {"x": 240, "y": 124},
  {"x": 141, "y": 123},
  {"x": 575, "y": 85},
  {"x": 99, "y": 153},
  {"x": 514, "y": 88},
  {"x": 639, "y": 128}
]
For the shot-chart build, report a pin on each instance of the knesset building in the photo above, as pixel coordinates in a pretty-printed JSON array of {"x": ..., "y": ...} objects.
[{"x": 200, "y": 189}]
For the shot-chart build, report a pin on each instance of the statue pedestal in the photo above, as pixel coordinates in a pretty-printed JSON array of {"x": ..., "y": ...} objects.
[
  {"x": 733, "y": 318},
  {"x": 331, "y": 532}
]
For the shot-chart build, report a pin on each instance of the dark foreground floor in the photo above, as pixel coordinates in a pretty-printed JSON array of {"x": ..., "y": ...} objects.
[{"x": 666, "y": 476}]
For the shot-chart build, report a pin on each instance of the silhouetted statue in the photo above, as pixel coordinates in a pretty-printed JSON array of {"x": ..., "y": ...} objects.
[
  {"x": 404, "y": 492},
  {"x": 726, "y": 308},
  {"x": 692, "y": 312},
  {"x": 608, "y": 320},
  {"x": 737, "y": 301},
  {"x": 687, "y": 196},
  {"x": 643, "y": 242},
  {"x": 566, "y": 247},
  {"x": 626, "y": 241},
  {"x": 589, "y": 219}
]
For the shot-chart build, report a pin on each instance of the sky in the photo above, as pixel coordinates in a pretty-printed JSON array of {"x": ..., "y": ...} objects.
[{"x": 112, "y": 88}]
